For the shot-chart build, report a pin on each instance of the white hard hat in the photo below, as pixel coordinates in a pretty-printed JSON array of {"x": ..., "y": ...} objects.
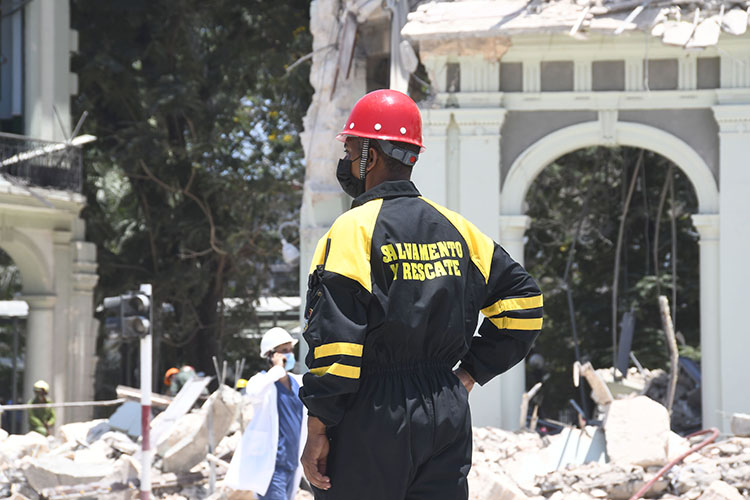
[
  {"x": 273, "y": 338},
  {"x": 41, "y": 385}
]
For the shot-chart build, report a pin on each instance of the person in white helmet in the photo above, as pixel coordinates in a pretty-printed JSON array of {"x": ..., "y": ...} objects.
[
  {"x": 41, "y": 420},
  {"x": 267, "y": 459}
]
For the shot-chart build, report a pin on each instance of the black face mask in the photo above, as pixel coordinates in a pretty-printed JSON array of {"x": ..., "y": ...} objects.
[{"x": 351, "y": 185}]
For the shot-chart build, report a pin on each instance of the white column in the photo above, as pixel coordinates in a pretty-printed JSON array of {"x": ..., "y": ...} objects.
[
  {"x": 477, "y": 197},
  {"x": 61, "y": 385},
  {"x": 512, "y": 230},
  {"x": 734, "y": 270},
  {"x": 39, "y": 341},
  {"x": 633, "y": 74},
  {"x": 47, "y": 81},
  {"x": 708, "y": 228},
  {"x": 430, "y": 174},
  {"x": 82, "y": 336}
]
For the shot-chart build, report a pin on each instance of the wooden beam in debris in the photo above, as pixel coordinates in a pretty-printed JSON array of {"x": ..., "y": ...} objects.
[
  {"x": 580, "y": 20},
  {"x": 123, "y": 391},
  {"x": 631, "y": 17}
]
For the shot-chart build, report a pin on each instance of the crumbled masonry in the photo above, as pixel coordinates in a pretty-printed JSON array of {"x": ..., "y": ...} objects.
[{"x": 90, "y": 460}]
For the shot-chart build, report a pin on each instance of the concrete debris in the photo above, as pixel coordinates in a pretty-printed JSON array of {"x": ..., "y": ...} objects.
[
  {"x": 638, "y": 420},
  {"x": 223, "y": 409},
  {"x": 719, "y": 490},
  {"x": 92, "y": 460},
  {"x": 79, "y": 431},
  {"x": 740, "y": 424},
  {"x": 690, "y": 24},
  {"x": 16, "y": 446}
]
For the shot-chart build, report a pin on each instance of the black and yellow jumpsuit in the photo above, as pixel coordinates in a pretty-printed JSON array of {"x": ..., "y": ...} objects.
[{"x": 393, "y": 301}]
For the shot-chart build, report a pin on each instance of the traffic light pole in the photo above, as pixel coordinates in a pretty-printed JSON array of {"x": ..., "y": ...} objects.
[{"x": 146, "y": 368}]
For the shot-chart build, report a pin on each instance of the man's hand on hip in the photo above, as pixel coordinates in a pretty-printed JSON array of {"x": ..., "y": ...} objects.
[
  {"x": 465, "y": 378},
  {"x": 315, "y": 456}
]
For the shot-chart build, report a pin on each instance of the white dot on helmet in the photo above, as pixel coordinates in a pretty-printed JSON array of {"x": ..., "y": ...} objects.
[
  {"x": 351, "y": 125},
  {"x": 403, "y": 130},
  {"x": 378, "y": 126}
]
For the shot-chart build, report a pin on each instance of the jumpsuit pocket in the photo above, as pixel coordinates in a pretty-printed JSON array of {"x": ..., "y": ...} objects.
[{"x": 314, "y": 293}]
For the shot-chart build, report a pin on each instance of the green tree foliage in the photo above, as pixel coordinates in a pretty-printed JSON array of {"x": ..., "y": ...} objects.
[
  {"x": 588, "y": 187},
  {"x": 198, "y": 158}
]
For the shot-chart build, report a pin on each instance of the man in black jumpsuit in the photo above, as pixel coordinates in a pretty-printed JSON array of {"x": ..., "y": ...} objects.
[{"x": 394, "y": 295}]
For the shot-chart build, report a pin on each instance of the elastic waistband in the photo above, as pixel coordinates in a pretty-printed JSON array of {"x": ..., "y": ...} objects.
[{"x": 406, "y": 367}]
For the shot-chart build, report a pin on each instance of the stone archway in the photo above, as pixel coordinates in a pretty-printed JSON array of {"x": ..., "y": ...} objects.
[{"x": 540, "y": 154}]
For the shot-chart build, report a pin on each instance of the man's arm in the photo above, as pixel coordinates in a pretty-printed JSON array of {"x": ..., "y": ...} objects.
[
  {"x": 338, "y": 298},
  {"x": 513, "y": 310}
]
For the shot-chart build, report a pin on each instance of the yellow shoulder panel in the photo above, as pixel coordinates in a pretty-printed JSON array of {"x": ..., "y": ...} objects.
[
  {"x": 351, "y": 237},
  {"x": 481, "y": 246}
]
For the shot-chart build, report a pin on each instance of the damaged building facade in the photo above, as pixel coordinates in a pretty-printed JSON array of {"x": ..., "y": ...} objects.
[
  {"x": 41, "y": 200},
  {"x": 517, "y": 84}
]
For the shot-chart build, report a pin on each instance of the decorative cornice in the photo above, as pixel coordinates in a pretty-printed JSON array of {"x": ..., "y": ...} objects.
[
  {"x": 85, "y": 282},
  {"x": 707, "y": 226},
  {"x": 732, "y": 118},
  {"x": 588, "y": 101},
  {"x": 40, "y": 301},
  {"x": 61, "y": 237},
  {"x": 513, "y": 226},
  {"x": 471, "y": 121}
]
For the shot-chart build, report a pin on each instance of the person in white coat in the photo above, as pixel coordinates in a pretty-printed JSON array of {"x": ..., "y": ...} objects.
[{"x": 267, "y": 458}]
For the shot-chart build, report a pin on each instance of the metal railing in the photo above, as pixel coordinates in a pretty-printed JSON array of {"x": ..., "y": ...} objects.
[{"x": 41, "y": 163}]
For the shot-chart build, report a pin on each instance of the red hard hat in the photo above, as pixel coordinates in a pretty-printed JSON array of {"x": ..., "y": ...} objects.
[{"x": 385, "y": 114}]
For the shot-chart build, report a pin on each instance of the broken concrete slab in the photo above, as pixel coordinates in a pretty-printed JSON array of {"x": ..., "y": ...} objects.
[
  {"x": 165, "y": 421},
  {"x": 78, "y": 431},
  {"x": 46, "y": 472},
  {"x": 740, "y": 424},
  {"x": 637, "y": 431},
  {"x": 223, "y": 406},
  {"x": 187, "y": 425},
  {"x": 719, "y": 490},
  {"x": 120, "y": 442},
  {"x": 485, "y": 484},
  {"x": 16, "y": 446},
  {"x": 3, "y": 434}
]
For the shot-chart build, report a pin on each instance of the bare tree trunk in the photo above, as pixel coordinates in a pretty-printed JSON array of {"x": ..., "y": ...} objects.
[
  {"x": 673, "y": 353},
  {"x": 618, "y": 250},
  {"x": 662, "y": 199},
  {"x": 674, "y": 254}
]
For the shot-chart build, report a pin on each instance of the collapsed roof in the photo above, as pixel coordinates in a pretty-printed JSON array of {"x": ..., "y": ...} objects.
[{"x": 689, "y": 24}]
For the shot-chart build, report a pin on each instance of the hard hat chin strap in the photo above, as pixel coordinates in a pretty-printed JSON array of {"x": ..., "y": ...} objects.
[{"x": 363, "y": 158}]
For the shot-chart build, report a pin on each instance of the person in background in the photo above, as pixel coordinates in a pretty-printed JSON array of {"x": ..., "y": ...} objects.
[
  {"x": 279, "y": 424},
  {"x": 41, "y": 420},
  {"x": 168, "y": 376},
  {"x": 175, "y": 380},
  {"x": 241, "y": 385}
]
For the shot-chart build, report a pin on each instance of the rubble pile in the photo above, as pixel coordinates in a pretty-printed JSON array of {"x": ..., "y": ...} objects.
[
  {"x": 98, "y": 459},
  {"x": 613, "y": 462}
]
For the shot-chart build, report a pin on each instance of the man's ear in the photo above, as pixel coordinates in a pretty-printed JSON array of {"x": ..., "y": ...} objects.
[{"x": 372, "y": 159}]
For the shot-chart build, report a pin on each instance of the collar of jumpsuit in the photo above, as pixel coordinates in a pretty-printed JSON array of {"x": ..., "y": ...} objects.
[{"x": 386, "y": 190}]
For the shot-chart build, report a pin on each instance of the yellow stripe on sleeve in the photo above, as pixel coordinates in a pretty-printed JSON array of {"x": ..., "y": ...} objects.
[
  {"x": 481, "y": 246},
  {"x": 516, "y": 304},
  {"x": 506, "y": 323},
  {"x": 347, "y": 348},
  {"x": 337, "y": 369}
]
